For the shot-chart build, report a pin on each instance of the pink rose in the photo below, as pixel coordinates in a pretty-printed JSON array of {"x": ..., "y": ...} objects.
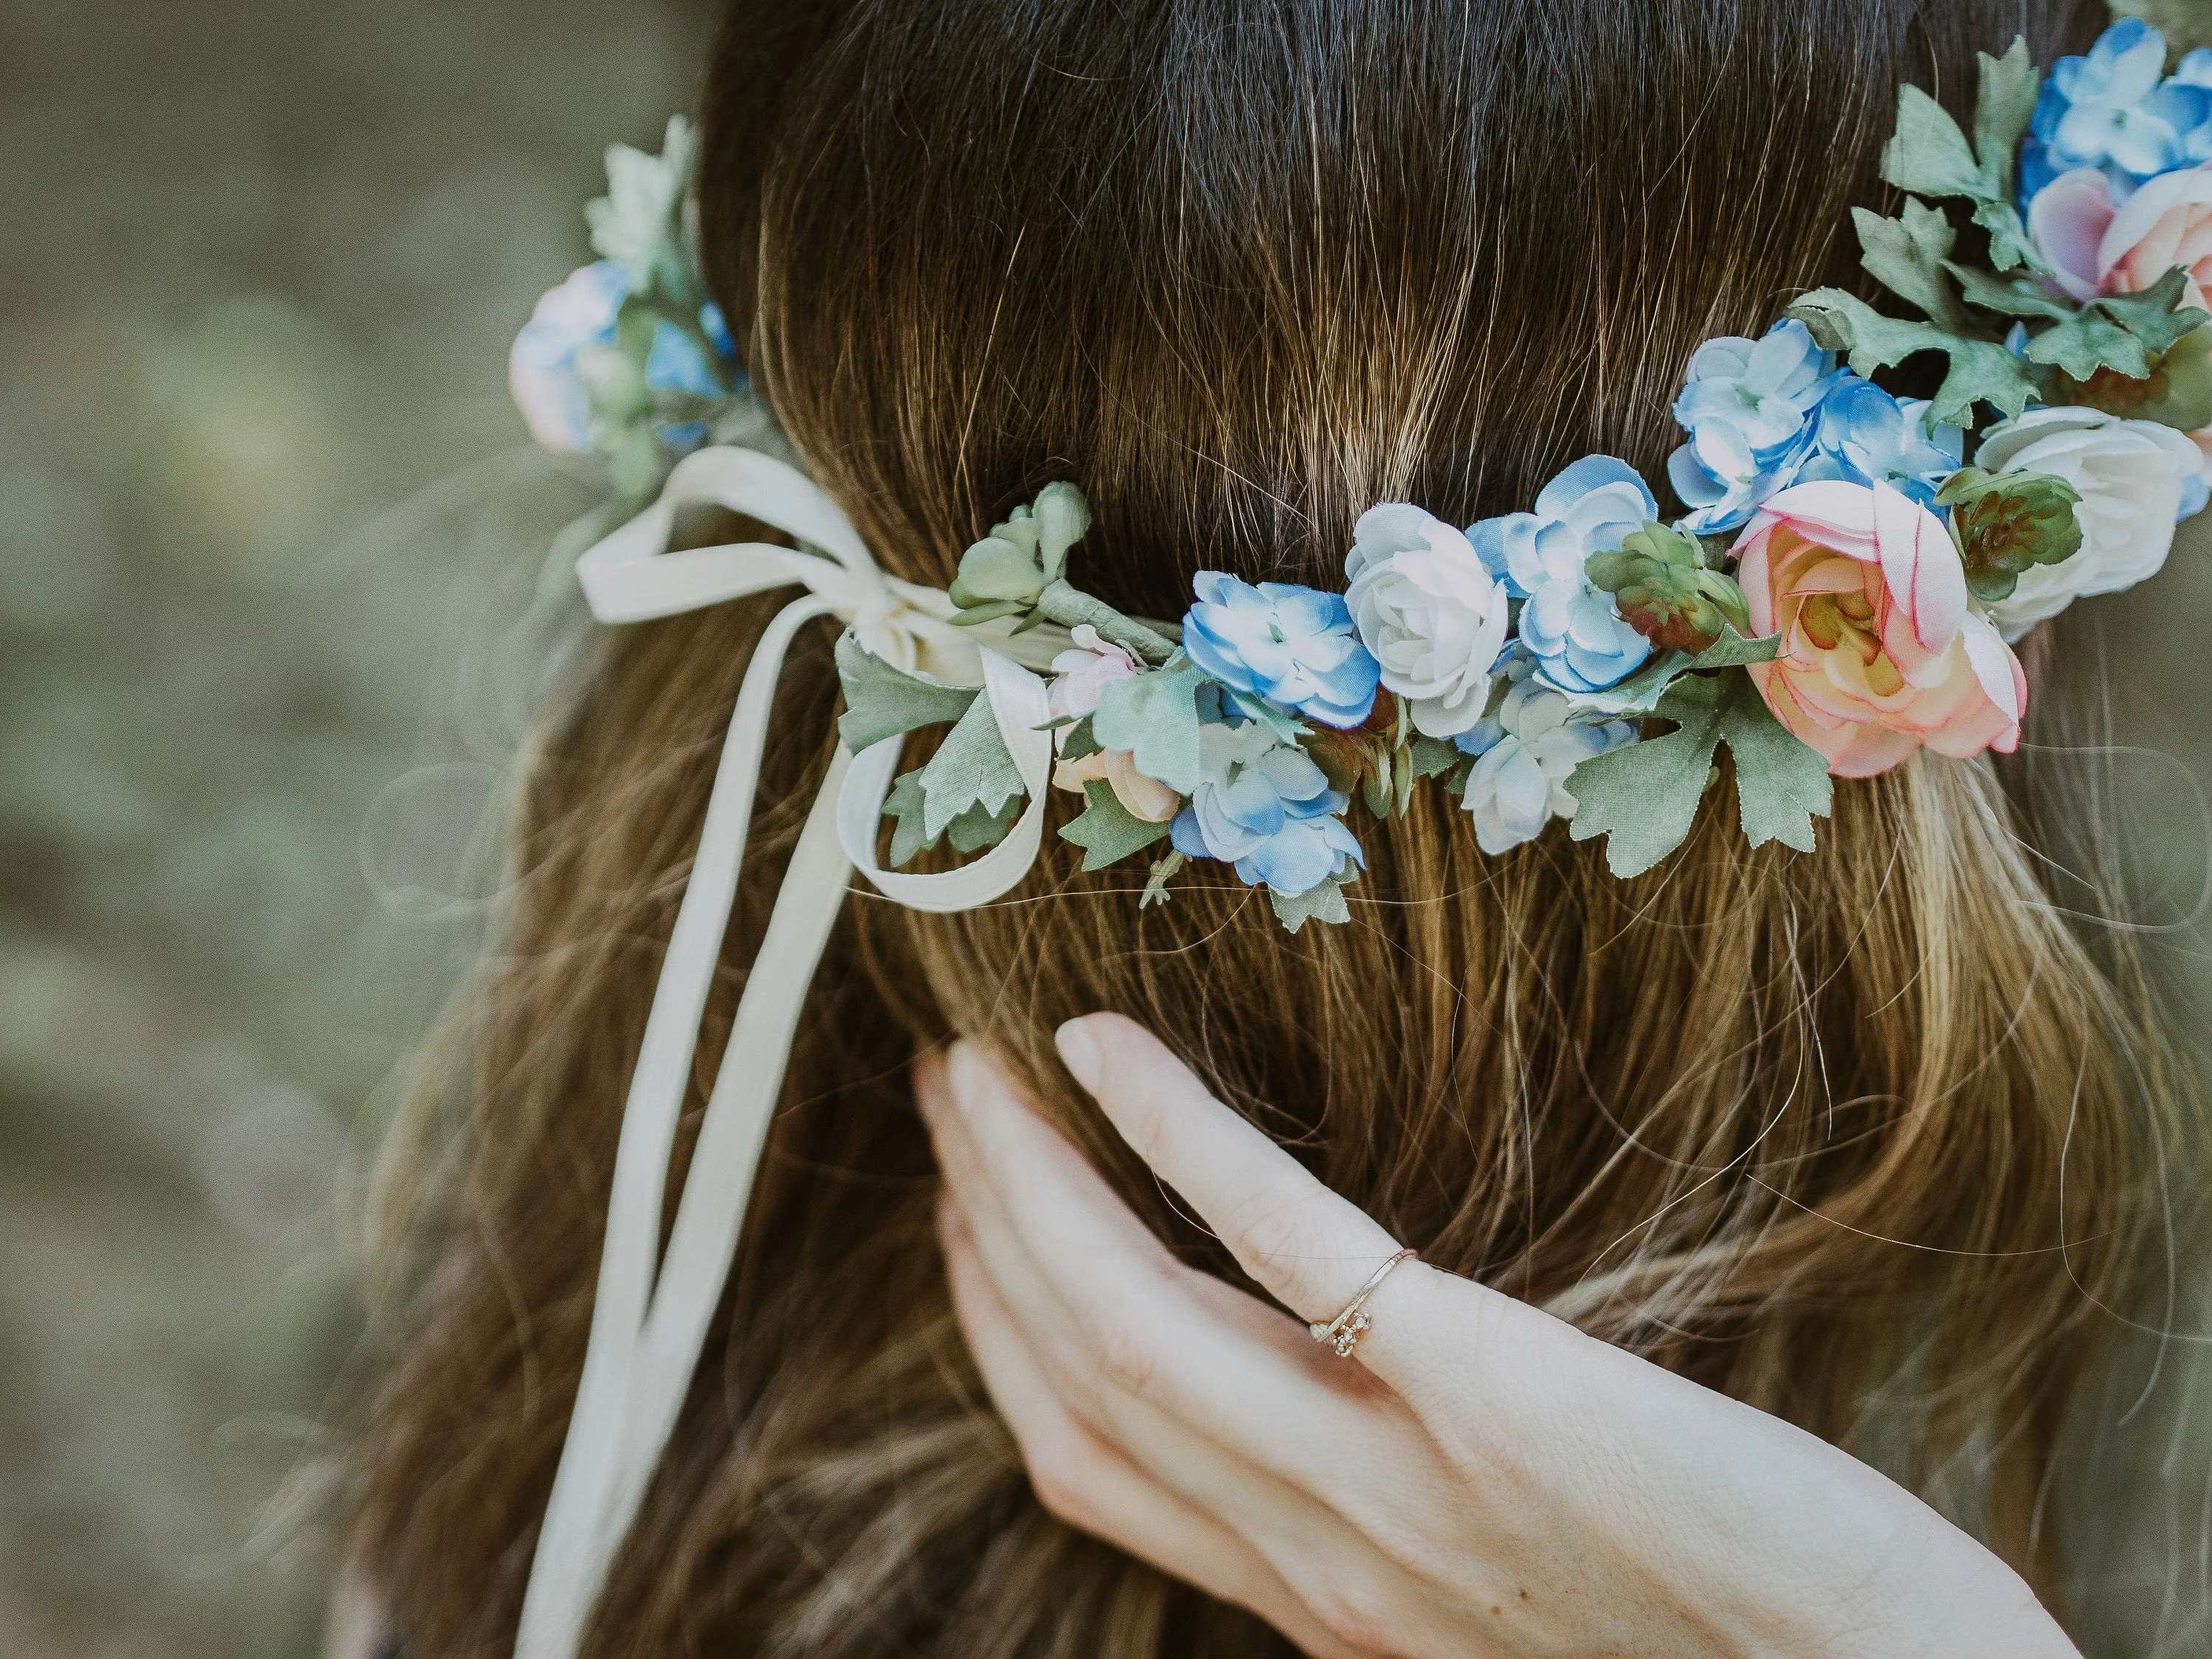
[
  {"x": 2097, "y": 245},
  {"x": 1084, "y": 673},
  {"x": 1879, "y": 650}
]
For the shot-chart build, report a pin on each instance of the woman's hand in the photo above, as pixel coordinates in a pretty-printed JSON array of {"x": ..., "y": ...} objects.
[{"x": 1480, "y": 1479}]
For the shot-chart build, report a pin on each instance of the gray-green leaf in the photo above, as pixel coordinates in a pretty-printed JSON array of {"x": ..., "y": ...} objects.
[
  {"x": 972, "y": 768},
  {"x": 883, "y": 702},
  {"x": 2004, "y": 103},
  {"x": 1644, "y": 797},
  {"x": 1154, "y": 715},
  {"x": 2016, "y": 297},
  {"x": 1106, "y": 830},
  {"x": 1982, "y": 371},
  {"x": 1928, "y": 155},
  {"x": 1781, "y": 781},
  {"x": 971, "y": 832},
  {"x": 1321, "y": 904},
  {"x": 1733, "y": 650},
  {"x": 1906, "y": 255}
]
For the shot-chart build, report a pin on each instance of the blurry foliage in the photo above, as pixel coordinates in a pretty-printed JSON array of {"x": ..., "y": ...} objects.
[{"x": 269, "y": 544}]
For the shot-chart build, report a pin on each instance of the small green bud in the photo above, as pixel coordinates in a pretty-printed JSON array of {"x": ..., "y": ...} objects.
[
  {"x": 1008, "y": 569},
  {"x": 1664, "y": 589},
  {"x": 2009, "y": 522}
]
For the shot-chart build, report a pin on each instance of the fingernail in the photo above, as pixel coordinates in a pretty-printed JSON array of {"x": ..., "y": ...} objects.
[{"x": 1078, "y": 1051}]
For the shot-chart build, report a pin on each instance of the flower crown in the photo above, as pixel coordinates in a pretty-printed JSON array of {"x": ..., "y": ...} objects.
[{"x": 1843, "y": 590}]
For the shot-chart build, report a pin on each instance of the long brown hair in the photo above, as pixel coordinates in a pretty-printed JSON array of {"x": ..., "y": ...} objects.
[{"x": 1854, "y": 1136}]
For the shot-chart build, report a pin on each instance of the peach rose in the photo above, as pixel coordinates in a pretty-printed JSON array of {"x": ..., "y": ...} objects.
[
  {"x": 2096, "y": 246},
  {"x": 1880, "y": 652},
  {"x": 1083, "y": 674}
]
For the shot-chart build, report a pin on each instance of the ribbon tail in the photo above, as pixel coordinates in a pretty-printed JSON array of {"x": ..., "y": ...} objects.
[
  {"x": 718, "y": 1184},
  {"x": 570, "y": 1557}
]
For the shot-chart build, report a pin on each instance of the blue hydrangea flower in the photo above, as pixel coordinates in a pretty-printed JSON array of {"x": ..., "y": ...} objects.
[
  {"x": 1529, "y": 750},
  {"x": 1296, "y": 647},
  {"x": 1862, "y": 434},
  {"x": 2111, "y": 111},
  {"x": 1262, "y": 805},
  {"x": 1749, "y": 407},
  {"x": 546, "y": 369},
  {"x": 1572, "y": 630}
]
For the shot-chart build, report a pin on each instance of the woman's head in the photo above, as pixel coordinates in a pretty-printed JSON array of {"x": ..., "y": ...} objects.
[{"x": 1794, "y": 1125}]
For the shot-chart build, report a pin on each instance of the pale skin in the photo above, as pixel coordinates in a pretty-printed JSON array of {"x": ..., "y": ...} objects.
[{"x": 1478, "y": 1479}]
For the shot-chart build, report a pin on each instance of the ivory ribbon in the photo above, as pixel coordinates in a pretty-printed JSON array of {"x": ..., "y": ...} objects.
[{"x": 649, "y": 1319}]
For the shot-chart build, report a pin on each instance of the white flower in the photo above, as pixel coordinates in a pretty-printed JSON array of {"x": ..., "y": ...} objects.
[
  {"x": 2135, "y": 478},
  {"x": 639, "y": 222},
  {"x": 1527, "y": 749},
  {"x": 1428, "y": 610},
  {"x": 1081, "y": 675}
]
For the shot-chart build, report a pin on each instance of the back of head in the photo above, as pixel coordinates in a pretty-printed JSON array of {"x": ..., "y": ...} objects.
[{"x": 1791, "y": 1125}]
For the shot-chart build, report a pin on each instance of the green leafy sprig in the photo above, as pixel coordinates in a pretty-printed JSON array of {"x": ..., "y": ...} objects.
[{"x": 1968, "y": 309}]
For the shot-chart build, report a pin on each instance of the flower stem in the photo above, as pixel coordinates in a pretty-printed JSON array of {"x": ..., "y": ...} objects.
[{"x": 1071, "y": 607}]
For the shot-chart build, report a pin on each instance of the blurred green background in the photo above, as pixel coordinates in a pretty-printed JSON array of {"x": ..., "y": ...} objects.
[{"x": 269, "y": 549}]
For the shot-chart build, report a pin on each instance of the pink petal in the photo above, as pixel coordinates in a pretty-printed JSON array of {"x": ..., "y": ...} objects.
[
  {"x": 1926, "y": 578},
  {"x": 1835, "y": 514},
  {"x": 2138, "y": 218},
  {"x": 2067, "y": 221},
  {"x": 1999, "y": 672}
]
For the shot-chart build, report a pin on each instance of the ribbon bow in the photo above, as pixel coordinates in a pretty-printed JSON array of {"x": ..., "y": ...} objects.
[{"x": 647, "y": 1327}]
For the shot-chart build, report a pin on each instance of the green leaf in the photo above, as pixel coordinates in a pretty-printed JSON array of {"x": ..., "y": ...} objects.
[
  {"x": 1928, "y": 155},
  {"x": 1081, "y": 742},
  {"x": 1156, "y": 884},
  {"x": 1155, "y": 716},
  {"x": 2004, "y": 101},
  {"x": 2009, "y": 243},
  {"x": 2156, "y": 315},
  {"x": 1433, "y": 757},
  {"x": 904, "y": 804},
  {"x": 971, "y": 832},
  {"x": 971, "y": 768},
  {"x": 1321, "y": 904},
  {"x": 1906, "y": 256},
  {"x": 1782, "y": 782},
  {"x": 2016, "y": 297},
  {"x": 883, "y": 702},
  {"x": 1106, "y": 830},
  {"x": 1639, "y": 693},
  {"x": 1644, "y": 797},
  {"x": 2087, "y": 341},
  {"x": 1733, "y": 650},
  {"x": 1982, "y": 371}
]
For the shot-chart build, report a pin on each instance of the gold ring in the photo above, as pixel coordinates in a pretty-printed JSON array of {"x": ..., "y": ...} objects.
[{"x": 1342, "y": 1332}]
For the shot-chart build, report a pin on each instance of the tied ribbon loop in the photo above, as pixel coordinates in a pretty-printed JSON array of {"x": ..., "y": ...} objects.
[{"x": 649, "y": 1319}]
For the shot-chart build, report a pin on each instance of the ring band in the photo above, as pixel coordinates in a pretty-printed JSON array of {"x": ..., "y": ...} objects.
[{"x": 1343, "y": 1331}]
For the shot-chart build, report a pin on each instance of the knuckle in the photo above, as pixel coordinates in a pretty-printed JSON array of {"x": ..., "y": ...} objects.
[
  {"x": 1124, "y": 1347},
  {"x": 1280, "y": 1229}
]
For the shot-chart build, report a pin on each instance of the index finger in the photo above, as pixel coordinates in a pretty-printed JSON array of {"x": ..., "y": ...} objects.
[{"x": 1308, "y": 1247}]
